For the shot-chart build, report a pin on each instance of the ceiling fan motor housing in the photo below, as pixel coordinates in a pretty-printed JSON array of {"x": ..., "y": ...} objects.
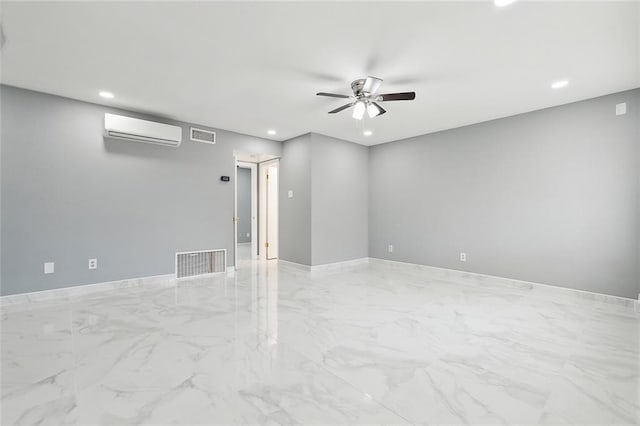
[{"x": 357, "y": 86}]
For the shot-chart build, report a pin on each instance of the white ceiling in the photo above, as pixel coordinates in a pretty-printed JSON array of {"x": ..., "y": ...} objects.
[{"x": 249, "y": 67}]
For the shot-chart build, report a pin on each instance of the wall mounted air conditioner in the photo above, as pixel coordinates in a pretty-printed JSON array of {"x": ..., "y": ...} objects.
[{"x": 133, "y": 129}]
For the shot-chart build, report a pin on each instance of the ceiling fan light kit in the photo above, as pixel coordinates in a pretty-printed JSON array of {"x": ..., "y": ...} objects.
[
  {"x": 373, "y": 109},
  {"x": 366, "y": 99},
  {"x": 358, "y": 111}
]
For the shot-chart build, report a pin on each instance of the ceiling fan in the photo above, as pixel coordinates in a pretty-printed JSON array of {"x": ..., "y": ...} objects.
[{"x": 365, "y": 98}]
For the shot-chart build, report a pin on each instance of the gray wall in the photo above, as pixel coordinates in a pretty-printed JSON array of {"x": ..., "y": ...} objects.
[
  {"x": 295, "y": 213},
  {"x": 244, "y": 205},
  {"x": 326, "y": 220},
  {"x": 339, "y": 206},
  {"x": 550, "y": 196},
  {"x": 67, "y": 195}
]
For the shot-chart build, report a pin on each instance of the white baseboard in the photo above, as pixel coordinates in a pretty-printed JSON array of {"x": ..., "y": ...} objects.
[
  {"x": 294, "y": 265},
  {"x": 533, "y": 288},
  {"x": 474, "y": 278},
  {"x": 335, "y": 266},
  {"x": 168, "y": 280}
]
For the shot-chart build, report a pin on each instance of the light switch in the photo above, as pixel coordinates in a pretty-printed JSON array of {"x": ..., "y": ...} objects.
[
  {"x": 48, "y": 268},
  {"x": 621, "y": 109},
  {"x": 290, "y": 194}
]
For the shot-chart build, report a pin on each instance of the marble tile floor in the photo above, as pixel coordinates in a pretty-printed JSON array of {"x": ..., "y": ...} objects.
[
  {"x": 277, "y": 345},
  {"x": 244, "y": 252}
]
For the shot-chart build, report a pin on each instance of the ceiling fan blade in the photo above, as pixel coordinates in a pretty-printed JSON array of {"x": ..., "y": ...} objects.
[
  {"x": 382, "y": 110},
  {"x": 371, "y": 84},
  {"x": 405, "y": 96},
  {"x": 332, "y": 95},
  {"x": 343, "y": 107}
]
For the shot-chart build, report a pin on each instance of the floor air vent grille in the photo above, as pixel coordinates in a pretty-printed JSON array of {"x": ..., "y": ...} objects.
[{"x": 195, "y": 263}]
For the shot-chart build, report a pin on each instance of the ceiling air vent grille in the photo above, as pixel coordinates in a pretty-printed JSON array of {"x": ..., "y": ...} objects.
[
  {"x": 197, "y": 263},
  {"x": 205, "y": 136}
]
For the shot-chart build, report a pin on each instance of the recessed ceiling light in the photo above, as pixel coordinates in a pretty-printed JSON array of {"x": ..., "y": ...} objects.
[
  {"x": 503, "y": 3},
  {"x": 107, "y": 95},
  {"x": 559, "y": 84},
  {"x": 367, "y": 133},
  {"x": 271, "y": 132}
]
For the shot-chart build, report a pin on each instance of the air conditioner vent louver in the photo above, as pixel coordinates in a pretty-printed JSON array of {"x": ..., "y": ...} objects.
[
  {"x": 196, "y": 263},
  {"x": 204, "y": 136}
]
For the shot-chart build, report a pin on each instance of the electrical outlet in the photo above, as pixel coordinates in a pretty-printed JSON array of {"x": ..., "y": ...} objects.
[
  {"x": 463, "y": 257},
  {"x": 390, "y": 248},
  {"x": 621, "y": 109},
  {"x": 49, "y": 268},
  {"x": 290, "y": 194},
  {"x": 248, "y": 235},
  {"x": 93, "y": 263}
]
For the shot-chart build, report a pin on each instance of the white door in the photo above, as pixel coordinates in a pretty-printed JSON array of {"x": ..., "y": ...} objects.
[
  {"x": 272, "y": 212},
  {"x": 254, "y": 211}
]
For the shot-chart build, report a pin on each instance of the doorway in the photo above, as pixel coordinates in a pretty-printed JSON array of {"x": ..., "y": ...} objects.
[
  {"x": 256, "y": 185},
  {"x": 246, "y": 223}
]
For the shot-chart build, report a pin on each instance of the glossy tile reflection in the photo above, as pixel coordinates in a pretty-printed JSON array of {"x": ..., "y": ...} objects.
[{"x": 371, "y": 344}]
